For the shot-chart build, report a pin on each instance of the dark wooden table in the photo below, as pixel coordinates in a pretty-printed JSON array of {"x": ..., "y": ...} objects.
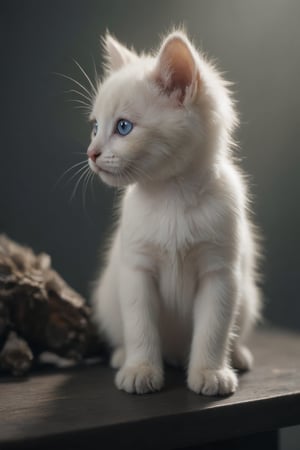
[{"x": 81, "y": 408}]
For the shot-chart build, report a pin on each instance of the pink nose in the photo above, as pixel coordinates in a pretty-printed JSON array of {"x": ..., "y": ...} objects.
[{"x": 93, "y": 153}]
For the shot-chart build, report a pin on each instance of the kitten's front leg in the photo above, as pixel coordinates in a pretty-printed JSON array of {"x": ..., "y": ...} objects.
[
  {"x": 142, "y": 371},
  {"x": 209, "y": 372}
]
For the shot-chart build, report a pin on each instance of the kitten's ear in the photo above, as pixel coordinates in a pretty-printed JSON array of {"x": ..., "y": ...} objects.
[
  {"x": 117, "y": 55},
  {"x": 177, "y": 72}
]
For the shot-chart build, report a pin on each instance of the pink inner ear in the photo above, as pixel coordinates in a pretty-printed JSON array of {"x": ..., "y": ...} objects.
[{"x": 177, "y": 60}]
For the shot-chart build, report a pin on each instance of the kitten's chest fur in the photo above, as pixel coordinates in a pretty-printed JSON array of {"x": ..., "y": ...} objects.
[
  {"x": 167, "y": 239},
  {"x": 176, "y": 276}
]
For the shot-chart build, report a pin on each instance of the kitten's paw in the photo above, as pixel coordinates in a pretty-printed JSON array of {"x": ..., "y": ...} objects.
[
  {"x": 242, "y": 358},
  {"x": 139, "y": 379},
  {"x": 117, "y": 358},
  {"x": 212, "y": 382}
]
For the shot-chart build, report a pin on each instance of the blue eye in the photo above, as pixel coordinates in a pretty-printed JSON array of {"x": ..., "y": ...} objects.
[
  {"x": 95, "y": 128},
  {"x": 124, "y": 127}
]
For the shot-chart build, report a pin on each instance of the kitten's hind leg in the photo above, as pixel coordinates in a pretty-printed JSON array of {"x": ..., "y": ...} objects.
[
  {"x": 117, "y": 358},
  {"x": 241, "y": 356},
  {"x": 105, "y": 301}
]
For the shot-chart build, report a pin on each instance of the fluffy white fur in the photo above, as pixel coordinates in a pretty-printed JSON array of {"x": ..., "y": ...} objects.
[{"x": 180, "y": 279}]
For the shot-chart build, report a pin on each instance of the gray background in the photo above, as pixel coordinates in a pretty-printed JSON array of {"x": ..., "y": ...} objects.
[{"x": 256, "y": 42}]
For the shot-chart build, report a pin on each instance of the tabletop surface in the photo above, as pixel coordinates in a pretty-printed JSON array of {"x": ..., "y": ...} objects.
[{"x": 83, "y": 403}]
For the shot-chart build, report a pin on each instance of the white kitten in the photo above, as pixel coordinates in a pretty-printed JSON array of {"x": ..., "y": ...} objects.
[{"x": 180, "y": 278}]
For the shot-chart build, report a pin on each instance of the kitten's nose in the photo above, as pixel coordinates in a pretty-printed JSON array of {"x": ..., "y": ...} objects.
[{"x": 93, "y": 153}]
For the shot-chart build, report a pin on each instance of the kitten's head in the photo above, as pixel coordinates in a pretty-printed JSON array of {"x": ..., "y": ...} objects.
[{"x": 156, "y": 117}]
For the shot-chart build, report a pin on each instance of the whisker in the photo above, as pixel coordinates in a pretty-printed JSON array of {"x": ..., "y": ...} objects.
[
  {"x": 78, "y": 182},
  {"x": 67, "y": 171},
  {"x": 89, "y": 181},
  {"x": 96, "y": 75},
  {"x": 76, "y": 100},
  {"x": 127, "y": 176},
  {"x": 86, "y": 76},
  {"x": 136, "y": 169},
  {"x": 76, "y": 82},
  {"x": 142, "y": 173},
  {"x": 132, "y": 172},
  {"x": 93, "y": 185},
  {"x": 77, "y": 173},
  {"x": 84, "y": 184},
  {"x": 85, "y": 109},
  {"x": 79, "y": 93}
]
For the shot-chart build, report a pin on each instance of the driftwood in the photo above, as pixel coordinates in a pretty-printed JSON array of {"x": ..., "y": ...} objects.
[{"x": 39, "y": 313}]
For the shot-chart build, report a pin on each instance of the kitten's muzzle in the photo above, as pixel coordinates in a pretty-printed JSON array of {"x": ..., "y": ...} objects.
[{"x": 93, "y": 153}]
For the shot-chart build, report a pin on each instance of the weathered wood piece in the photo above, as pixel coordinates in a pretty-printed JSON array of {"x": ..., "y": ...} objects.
[{"x": 39, "y": 311}]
